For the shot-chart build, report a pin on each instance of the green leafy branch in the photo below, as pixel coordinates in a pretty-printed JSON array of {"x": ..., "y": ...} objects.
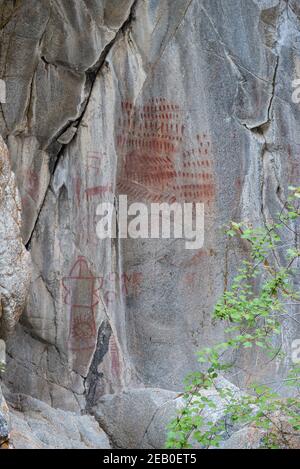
[{"x": 253, "y": 307}]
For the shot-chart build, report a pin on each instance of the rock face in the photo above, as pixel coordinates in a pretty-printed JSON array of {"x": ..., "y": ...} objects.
[
  {"x": 4, "y": 421},
  {"x": 14, "y": 268},
  {"x": 14, "y": 259},
  {"x": 138, "y": 418},
  {"x": 169, "y": 101},
  {"x": 36, "y": 425}
]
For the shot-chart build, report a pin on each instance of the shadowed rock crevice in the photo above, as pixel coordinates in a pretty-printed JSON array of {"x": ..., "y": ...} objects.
[{"x": 93, "y": 380}]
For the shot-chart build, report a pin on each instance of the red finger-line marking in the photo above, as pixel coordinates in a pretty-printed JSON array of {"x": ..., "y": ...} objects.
[
  {"x": 98, "y": 190},
  {"x": 150, "y": 161}
]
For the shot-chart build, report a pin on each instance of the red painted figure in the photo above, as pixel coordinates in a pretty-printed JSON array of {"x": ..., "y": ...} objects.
[{"x": 82, "y": 297}]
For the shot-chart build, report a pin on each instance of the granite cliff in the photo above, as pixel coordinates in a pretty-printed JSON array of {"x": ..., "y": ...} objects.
[{"x": 164, "y": 101}]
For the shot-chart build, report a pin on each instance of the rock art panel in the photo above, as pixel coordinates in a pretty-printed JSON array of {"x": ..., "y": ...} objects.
[
  {"x": 186, "y": 101},
  {"x": 81, "y": 297},
  {"x": 156, "y": 165}
]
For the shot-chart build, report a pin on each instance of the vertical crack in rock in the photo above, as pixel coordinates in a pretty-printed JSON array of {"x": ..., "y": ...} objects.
[
  {"x": 266, "y": 130},
  {"x": 91, "y": 76},
  {"x": 150, "y": 74},
  {"x": 93, "y": 376},
  {"x": 28, "y": 111},
  {"x": 262, "y": 131},
  {"x": 173, "y": 34},
  {"x": 155, "y": 413},
  {"x": 273, "y": 88}
]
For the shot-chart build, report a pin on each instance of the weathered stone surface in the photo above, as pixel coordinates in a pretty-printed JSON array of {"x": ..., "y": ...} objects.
[
  {"x": 246, "y": 438},
  {"x": 251, "y": 437},
  {"x": 14, "y": 268},
  {"x": 52, "y": 56},
  {"x": 4, "y": 420},
  {"x": 36, "y": 425},
  {"x": 14, "y": 259},
  {"x": 176, "y": 100},
  {"x": 127, "y": 417},
  {"x": 138, "y": 418}
]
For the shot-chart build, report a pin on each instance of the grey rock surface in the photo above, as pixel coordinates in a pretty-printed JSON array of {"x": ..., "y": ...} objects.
[
  {"x": 4, "y": 420},
  {"x": 14, "y": 269},
  {"x": 252, "y": 437},
  {"x": 14, "y": 259},
  {"x": 138, "y": 418},
  {"x": 35, "y": 425},
  {"x": 178, "y": 100},
  {"x": 129, "y": 417},
  {"x": 246, "y": 438}
]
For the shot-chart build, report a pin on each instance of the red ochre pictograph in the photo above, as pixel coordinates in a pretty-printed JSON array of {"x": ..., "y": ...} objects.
[
  {"x": 32, "y": 187},
  {"x": 77, "y": 183},
  {"x": 131, "y": 283},
  {"x": 94, "y": 167},
  {"x": 98, "y": 190},
  {"x": 33, "y": 184},
  {"x": 190, "y": 280},
  {"x": 82, "y": 292},
  {"x": 113, "y": 351},
  {"x": 82, "y": 296},
  {"x": 94, "y": 161},
  {"x": 156, "y": 164}
]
